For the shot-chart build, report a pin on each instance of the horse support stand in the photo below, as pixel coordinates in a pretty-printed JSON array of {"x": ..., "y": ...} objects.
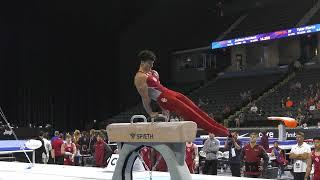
[{"x": 168, "y": 138}]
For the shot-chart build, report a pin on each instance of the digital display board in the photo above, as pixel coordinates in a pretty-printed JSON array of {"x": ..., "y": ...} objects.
[{"x": 266, "y": 36}]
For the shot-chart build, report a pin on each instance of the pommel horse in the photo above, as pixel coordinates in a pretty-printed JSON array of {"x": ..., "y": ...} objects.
[{"x": 168, "y": 138}]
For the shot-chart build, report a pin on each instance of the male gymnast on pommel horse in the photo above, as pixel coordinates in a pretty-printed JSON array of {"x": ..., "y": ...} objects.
[{"x": 149, "y": 87}]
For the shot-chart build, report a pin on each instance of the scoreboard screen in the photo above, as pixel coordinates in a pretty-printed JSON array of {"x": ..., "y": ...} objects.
[{"x": 266, "y": 36}]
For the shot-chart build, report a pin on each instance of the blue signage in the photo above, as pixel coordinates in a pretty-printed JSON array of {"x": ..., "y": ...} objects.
[{"x": 267, "y": 36}]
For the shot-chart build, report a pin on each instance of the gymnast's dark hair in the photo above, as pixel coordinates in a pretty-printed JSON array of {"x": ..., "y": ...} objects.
[
  {"x": 316, "y": 138},
  {"x": 147, "y": 55}
]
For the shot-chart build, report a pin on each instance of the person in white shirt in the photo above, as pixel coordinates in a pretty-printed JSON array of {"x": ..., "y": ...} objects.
[
  {"x": 211, "y": 147},
  {"x": 254, "y": 108},
  {"x": 299, "y": 154},
  {"x": 48, "y": 147}
]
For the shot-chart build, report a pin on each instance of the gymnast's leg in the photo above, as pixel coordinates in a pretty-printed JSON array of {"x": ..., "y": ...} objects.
[
  {"x": 189, "y": 103},
  {"x": 173, "y": 104}
]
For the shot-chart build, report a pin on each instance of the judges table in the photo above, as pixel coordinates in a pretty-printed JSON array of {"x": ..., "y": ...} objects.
[{"x": 10, "y": 147}]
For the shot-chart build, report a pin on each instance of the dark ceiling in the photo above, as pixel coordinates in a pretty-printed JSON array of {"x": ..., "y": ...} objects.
[{"x": 79, "y": 56}]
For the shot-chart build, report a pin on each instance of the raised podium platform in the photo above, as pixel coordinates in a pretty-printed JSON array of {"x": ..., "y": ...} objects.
[{"x": 168, "y": 138}]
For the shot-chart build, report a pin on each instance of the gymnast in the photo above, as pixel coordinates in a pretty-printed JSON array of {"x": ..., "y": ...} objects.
[{"x": 149, "y": 87}]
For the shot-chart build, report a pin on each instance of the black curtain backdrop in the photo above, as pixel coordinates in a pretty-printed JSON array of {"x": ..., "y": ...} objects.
[
  {"x": 67, "y": 63},
  {"x": 56, "y": 63}
]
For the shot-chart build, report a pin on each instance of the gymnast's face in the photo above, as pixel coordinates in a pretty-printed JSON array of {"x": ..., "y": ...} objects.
[
  {"x": 68, "y": 139},
  {"x": 253, "y": 138},
  {"x": 211, "y": 135},
  {"x": 316, "y": 144},
  {"x": 147, "y": 65}
]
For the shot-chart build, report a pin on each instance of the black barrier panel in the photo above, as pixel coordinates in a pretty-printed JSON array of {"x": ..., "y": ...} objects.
[{"x": 22, "y": 133}]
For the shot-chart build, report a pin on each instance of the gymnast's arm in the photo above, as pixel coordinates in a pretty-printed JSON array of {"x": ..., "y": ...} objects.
[
  {"x": 140, "y": 82},
  {"x": 309, "y": 166}
]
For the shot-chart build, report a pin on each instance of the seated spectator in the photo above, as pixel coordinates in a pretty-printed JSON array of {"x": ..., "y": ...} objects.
[
  {"x": 282, "y": 103},
  {"x": 254, "y": 108},
  {"x": 318, "y": 105},
  {"x": 297, "y": 65},
  {"x": 237, "y": 121},
  {"x": 312, "y": 108},
  {"x": 226, "y": 110},
  {"x": 243, "y": 95},
  {"x": 289, "y": 103},
  {"x": 241, "y": 117},
  {"x": 318, "y": 125},
  {"x": 288, "y": 114},
  {"x": 300, "y": 117},
  {"x": 261, "y": 112},
  {"x": 310, "y": 101},
  {"x": 295, "y": 86},
  {"x": 305, "y": 125}
]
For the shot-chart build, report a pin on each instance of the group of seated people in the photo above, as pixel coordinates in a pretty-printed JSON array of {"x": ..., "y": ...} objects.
[{"x": 311, "y": 100}]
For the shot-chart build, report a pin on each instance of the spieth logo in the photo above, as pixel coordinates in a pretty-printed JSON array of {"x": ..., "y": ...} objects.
[
  {"x": 141, "y": 136},
  {"x": 164, "y": 100},
  {"x": 133, "y": 135},
  {"x": 6, "y": 132}
]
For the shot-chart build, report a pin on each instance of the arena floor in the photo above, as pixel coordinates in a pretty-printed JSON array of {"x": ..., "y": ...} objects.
[{"x": 17, "y": 170}]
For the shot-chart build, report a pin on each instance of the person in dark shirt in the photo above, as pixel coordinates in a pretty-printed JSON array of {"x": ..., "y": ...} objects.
[
  {"x": 264, "y": 140},
  {"x": 84, "y": 143},
  {"x": 251, "y": 156},
  {"x": 234, "y": 146},
  {"x": 42, "y": 149},
  {"x": 92, "y": 141},
  {"x": 102, "y": 151}
]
